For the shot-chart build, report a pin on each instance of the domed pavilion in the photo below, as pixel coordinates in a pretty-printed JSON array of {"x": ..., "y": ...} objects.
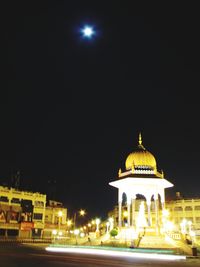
[{"x": 142, "y": 177}]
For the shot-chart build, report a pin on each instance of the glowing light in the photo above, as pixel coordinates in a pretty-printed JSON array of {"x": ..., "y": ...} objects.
[
  {"x": 192, "y": 233},
  {"x": 82, "y": 234},
  {"x": 141, "y": 219},
  {"x": 97, "y": 221},
  {"x": 82, "y": 212},
  {"x": 76, "y": 231},
  {"x": 54, "y": 232},
  {"x": 165, "y": 213},
  {"x": 88, "y": 31},
  {"x": 69, "y": 223},
  {"x": 60, "y": 213},
  {"x": 125, "y": 213},
  {"x": 117, "y": 253}
]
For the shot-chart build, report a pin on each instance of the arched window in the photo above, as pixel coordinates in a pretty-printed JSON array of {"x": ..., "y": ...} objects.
[{"x": 197, "y": 207}]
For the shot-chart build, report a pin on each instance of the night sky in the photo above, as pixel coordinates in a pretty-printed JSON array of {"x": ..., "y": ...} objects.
[{"x": 71, "y": 109}]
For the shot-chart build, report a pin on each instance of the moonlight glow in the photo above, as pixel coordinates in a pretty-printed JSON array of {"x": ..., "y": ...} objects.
[{"x": 87, "y": 32}]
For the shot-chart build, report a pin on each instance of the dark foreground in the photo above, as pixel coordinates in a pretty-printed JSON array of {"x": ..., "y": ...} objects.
[{"x": 21, "y": 255}]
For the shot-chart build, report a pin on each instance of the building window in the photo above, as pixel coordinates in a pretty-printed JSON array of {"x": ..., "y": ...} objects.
[
  {"x": 197, "y": 207},
  {"x": 188, "y": 208},
  {"x": 178, "y": 209},
  {"x": 3, "y": 199},
  {"x": 197, "y": 219},
  {"x": 190, "y": 219},
  {"x": 15, "y": 200},
  {"x": 37, "y": 216},
  {"x": 39, "y": 204}
]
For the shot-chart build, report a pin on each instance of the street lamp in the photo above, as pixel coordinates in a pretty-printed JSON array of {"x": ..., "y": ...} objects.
[
  {"x": 81, "y": 213},
  {"x": 54, "y": 232},
  {"x": 97, "y": 224},
  {"x": 76, "y": 232}
]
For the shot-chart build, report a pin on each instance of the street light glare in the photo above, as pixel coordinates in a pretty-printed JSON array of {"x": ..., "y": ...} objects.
[{"x": 82, "y": 212}]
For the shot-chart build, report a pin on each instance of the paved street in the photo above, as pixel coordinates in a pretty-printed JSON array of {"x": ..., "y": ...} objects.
[{"x": 32, "y": 256}]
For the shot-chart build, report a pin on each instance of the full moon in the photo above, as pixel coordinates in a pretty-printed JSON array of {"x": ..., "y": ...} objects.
[{"x": 88, "y": 31}]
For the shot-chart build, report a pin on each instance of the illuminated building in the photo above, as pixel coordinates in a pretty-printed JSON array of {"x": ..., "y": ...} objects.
[
  {"x": 184, "y": 209},
  {"x": 142, "y": 182},
  {"x": 22, "y": 213},
  {"x": 25, "y": 214},
  {"x": 55, "y": 219},
  {"x": 140, "y": 177}
]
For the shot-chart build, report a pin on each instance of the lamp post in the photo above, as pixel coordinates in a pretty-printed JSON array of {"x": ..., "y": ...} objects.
[
  {"x": 76, "y": 232},
  {"x": 97, "y": 224},
  {"x": 81, "y": 213}
]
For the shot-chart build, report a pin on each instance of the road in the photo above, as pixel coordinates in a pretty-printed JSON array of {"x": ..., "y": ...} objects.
[{"x": 21, "y": 255}]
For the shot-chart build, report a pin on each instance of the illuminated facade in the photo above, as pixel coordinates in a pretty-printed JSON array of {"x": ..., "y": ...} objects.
[
  {"x": 21, "y": 213},
  {"x": 55, "y": 219},
  {"x": 184, "y": 209},
  {"x": 26, "y": 215},
  {"x": 140, "y": 178}
]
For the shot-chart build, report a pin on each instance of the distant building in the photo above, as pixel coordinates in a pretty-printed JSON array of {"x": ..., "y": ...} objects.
[
  {"x": 55, "y": 219},
  {"x": 141, "y": 182},
  {"x": 22, "y": 213},
  {"x": 184, "y": 208},
  {"x": 25, "y": 214},
  {"x": 140, "y": 178}
]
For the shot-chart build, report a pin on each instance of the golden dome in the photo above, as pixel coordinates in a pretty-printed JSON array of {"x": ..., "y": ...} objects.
[{"x": 140, "y": 158}]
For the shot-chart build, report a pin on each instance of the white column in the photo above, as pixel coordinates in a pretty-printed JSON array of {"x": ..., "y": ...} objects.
[
  {"x": 133, "y": 211},
  {"x": 156, "y": 211},
  {"x": 162, "y": 198},
  {"x": 129, "y": 210},
  {"x": 149, "y": 210},
  {"x": 119, "y": 208}
]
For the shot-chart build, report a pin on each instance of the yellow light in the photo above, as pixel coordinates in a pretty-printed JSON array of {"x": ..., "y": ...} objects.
[
  {"x": 125, "y": 213},
  {"x": 82, "y": 212},
  {"x": 69, "y": 223},
  {"x": 76, "y": 231},
  {"x": 165, "y": 213},
  {"x": 97, "y": 221},
  {"x": 60, "y": 213},
  {"x": 89, "y": 225},
  {"x": 192, "y": 233},
  {"x": 93, "y": 221},
  {"x": 54, "y": 232}
]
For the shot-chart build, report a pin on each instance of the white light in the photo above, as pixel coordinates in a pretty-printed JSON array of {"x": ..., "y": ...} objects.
[
  {"x": 54, "y": 232},
  {"x": 117, "y": 253},
  {"x": 76, "y": 231},
  {"x": 88, "y": 31}
]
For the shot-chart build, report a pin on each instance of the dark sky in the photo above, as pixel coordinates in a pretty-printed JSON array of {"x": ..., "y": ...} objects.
[{"x": 71, "y": 109}]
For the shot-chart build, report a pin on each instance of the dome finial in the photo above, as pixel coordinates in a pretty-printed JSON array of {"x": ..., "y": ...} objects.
[{"x": 140, "y": 139}]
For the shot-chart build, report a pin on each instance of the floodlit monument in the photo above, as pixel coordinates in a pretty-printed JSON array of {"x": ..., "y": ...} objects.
[{"x": 141, "y": 178}]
